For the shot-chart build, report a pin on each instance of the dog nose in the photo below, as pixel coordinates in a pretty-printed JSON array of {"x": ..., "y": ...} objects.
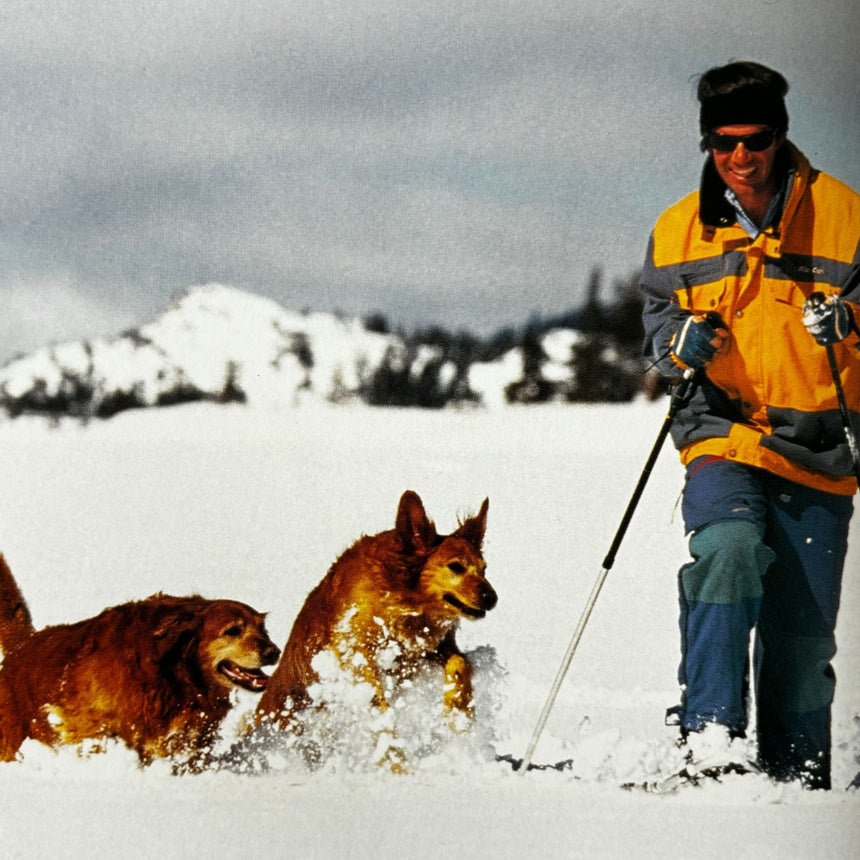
[
  {"x": 489, "y": 598},
  {"x": 270, "y": 654}
]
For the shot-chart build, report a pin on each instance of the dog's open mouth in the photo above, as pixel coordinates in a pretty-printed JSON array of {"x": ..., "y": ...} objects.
[
  {"x": 470, "y": 611},
  {"x": 254, "y": 680}
]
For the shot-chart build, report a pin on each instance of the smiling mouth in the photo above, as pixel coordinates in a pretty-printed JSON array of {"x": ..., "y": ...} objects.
[
  {"x": 462, "y": 607},
  {"x": 745, "y": 171},
  {"x": 254, "y": 680}
]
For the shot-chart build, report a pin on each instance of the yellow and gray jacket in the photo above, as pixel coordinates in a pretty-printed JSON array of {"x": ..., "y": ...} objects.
[{"x": 768, "y": 398}]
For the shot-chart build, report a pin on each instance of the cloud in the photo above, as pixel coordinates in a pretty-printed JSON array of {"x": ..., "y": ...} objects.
[
  {"x": 71, "y": 314},
  {"x": 397, "y": 156}
]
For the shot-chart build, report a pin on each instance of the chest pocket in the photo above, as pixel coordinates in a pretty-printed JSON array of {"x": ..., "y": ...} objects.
[
  {"x": 701, "y": 298},
  {"x": 795, "y": 294},
  {"x": 706, "y": 281}
]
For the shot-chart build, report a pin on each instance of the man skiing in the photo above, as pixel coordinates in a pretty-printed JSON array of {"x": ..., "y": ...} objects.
[{"x": 749, "y": 281}]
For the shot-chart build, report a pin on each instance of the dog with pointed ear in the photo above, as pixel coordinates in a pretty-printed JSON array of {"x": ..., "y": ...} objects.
[{"x": 408, "y": 587}]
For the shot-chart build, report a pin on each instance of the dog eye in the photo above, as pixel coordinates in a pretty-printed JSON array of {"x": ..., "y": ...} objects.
[
  {"x": 233, "y": 631},
  {"x": 456, "y": 567}
]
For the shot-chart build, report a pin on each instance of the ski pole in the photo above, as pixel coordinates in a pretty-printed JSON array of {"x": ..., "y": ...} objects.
[
  {"x": 675, "y": 401},
  {"x": 843, "y": 410}
]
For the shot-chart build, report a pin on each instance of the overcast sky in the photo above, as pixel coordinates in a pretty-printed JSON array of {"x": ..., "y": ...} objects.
[{"x": 459, "y": 161}]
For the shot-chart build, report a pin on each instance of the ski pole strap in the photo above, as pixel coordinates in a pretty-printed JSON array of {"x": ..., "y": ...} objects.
[{"x": 679, "y": 392}]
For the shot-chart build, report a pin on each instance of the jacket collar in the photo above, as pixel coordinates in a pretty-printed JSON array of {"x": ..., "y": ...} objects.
[{"x": 716, "y": 211}]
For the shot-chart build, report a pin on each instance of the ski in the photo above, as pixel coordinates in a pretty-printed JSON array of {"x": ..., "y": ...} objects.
[
  {"x": 694, "y": 775},
  {"x": 517, "y": 763}
]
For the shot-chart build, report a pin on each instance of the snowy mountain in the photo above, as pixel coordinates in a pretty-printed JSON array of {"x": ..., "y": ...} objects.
[{"x": 222, "y": 344}]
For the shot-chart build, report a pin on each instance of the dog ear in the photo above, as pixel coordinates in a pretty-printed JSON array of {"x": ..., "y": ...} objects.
[
  {"x": 473, "y": 528},
  {"x": 16, "y": 623},
  {"x": 416, "y": 532},
  {"x": 175, "y": 632}
]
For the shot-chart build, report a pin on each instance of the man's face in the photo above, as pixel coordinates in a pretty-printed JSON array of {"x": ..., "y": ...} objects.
[{"x": 744, "y": 171}]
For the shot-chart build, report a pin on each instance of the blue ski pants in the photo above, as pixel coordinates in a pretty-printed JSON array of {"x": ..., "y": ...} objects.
[{"x": 767, "y": 557}]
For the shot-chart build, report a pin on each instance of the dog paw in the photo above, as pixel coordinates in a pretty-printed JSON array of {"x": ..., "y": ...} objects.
[
  {"x": 457, "y": 696},
  {"x": 459, "y": 720},
  {"x": 394, "y": 759}
]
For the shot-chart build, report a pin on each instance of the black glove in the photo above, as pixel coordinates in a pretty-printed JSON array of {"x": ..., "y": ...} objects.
[
  {"x": 698, "y": 340},
  {"x": 827, "y": 318}
]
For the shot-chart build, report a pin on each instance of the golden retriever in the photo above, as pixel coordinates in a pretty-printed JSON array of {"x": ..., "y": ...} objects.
[
  {"x": 407, "y": 587},
  {"x": 156, "y": 674}
]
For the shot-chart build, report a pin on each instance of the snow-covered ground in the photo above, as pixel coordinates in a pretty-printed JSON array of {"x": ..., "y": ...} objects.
[{"x": 254, "y": 504}]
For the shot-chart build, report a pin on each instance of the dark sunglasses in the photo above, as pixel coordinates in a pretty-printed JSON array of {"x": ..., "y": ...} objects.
[{"x": 757, "y": 142}]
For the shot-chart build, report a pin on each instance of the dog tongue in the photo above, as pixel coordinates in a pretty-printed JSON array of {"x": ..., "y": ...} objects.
[{"x": 251, "y": 678}]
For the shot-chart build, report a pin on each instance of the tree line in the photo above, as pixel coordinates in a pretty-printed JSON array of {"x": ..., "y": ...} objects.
[{"x": 605, "y": 362}]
